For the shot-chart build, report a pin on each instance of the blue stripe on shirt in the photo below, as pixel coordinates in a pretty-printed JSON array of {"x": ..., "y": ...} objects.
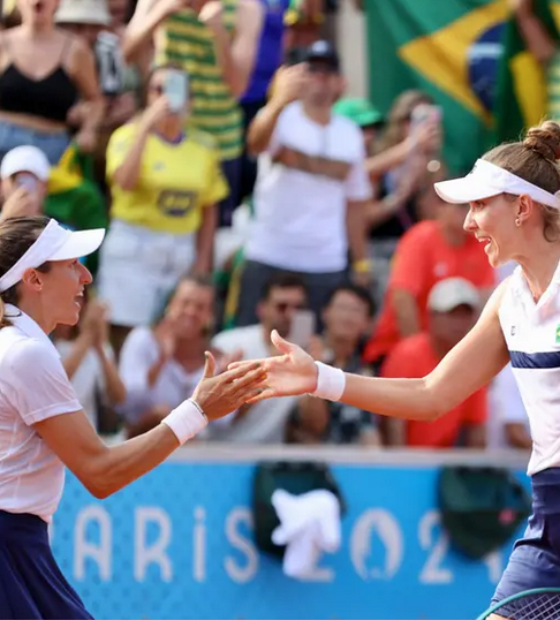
[{"x": 543, "y": 360}]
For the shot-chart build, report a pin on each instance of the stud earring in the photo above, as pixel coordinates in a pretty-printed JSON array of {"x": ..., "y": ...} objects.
[{"x": 517, "y": 222}]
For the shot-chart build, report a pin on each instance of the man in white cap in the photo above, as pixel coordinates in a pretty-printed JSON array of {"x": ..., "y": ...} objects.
[
  {"x": 454, "y": 305},
  {"x": 24, "y": 173}
]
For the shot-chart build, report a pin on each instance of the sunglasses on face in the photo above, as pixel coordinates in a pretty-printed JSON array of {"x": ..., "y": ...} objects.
[
  {"x": 320, "y": 68},
  {"x": 284, "y": 306}
]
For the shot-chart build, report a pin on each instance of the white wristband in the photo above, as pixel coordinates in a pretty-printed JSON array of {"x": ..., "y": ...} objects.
[
  {"x": 330, "y": 382},
  {"x": 186, "y": 420}
]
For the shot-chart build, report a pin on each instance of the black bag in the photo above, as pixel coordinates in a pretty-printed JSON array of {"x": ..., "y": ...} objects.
[
  {"x": 481, "y": 507},
  {"x": 295, "y": 478}
]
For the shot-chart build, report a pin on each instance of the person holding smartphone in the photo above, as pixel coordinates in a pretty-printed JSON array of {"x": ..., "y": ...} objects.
[
  {"x": 165, "y": 183},
  {"x": 24, "y": 174}
]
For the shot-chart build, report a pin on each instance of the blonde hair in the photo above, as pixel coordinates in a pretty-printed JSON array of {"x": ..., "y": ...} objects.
[
  {"x": 400, "y": 112},
  {"x": 534, "y": 159}
]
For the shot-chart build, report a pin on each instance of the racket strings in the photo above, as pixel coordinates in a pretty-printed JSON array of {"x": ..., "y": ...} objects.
[{"x": 543, "y": 606}]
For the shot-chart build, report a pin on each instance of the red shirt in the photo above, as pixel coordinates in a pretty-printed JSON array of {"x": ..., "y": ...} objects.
[
  {"x": 423, "y": 257},
  {"x": 414, "y": 358}
]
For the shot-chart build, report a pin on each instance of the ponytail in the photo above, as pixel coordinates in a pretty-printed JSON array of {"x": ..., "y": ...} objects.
[
  {"x": 4, "y": 322},
  {"x": 7, "y": 297}
]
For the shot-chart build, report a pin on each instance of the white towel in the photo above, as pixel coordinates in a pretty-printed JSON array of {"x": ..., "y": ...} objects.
[{"x": 309, "y": 526}]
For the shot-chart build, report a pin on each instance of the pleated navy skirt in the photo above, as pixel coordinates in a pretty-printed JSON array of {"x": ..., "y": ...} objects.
[
  {"x": 535, "y": 560},
  {"x": 31, "y": 584}
]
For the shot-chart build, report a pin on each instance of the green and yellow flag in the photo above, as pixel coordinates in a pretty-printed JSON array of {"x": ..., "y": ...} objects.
[
  {"x": 522, "y": 93},
  {"x": 451, "y": 50},
  {"x": 74, "y": 198}
]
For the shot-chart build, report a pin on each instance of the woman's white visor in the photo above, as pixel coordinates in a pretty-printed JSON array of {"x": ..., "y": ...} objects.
[
  {"x": 487, "y": 180},
  {"x": 54, "y": 243}
]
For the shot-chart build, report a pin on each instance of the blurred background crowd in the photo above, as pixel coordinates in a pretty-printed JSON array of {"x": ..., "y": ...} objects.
[{"x": 247, "y": 187}]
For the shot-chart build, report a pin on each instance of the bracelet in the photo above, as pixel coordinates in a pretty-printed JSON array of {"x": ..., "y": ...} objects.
[
  {"x": 330, "y": 382},
  {"x": 362, "y": 266},
  {"x": 186, "y": 420}
]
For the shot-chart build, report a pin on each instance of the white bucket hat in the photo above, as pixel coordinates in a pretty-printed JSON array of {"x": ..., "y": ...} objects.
[
  {"x": 94, "y": 12},
  {"x": 54, "y": 243},
  {"x": 487, "y": 180}
]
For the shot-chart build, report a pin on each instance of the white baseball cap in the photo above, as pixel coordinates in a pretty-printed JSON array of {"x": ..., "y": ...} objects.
[
  {"x": 25, "y": 159},
  {"x": 452, "y": 293},
  {"x": 487, "y": 180},
  {"x": 54, "y": 243}
]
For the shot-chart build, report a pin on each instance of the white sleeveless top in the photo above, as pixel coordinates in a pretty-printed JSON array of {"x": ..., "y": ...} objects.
[
  {"x": 532, "y": 334},
  {"x": 33, "y": 387}
]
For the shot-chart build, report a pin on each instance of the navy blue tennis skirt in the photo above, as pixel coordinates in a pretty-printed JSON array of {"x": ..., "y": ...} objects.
[
  {"x": 535, "y": 559},
  {"x": 31, "y": 584}
]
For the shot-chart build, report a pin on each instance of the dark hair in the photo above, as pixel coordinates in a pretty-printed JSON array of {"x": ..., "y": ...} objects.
[
  {"x": 283, "y": 279},
  {"x": 358, "y": 291},
  {"x": 534, "y": 159},
  {"x": 17, "y": 235},
  {"x": 203, "y": 281},
  {"x": 295, "y": 56}
]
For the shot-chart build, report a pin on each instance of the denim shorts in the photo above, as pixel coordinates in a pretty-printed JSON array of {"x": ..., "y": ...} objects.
[
  {"x": 535, "y": 559},
  {"x": 53, "y": 144}
]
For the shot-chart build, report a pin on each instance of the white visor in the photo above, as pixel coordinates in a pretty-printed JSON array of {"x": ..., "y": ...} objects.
[
  {"x": 487, "y": 180},
  {"x": 54, "y": 243}
]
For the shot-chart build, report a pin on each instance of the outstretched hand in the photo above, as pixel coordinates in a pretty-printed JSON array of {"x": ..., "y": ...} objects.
[
  {"x": 292, "y": 373},
  {"x": 220, "y": 394}
]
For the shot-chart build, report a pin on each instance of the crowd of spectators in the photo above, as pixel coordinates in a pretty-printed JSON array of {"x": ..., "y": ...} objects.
[{"x": 243, "y": 191}]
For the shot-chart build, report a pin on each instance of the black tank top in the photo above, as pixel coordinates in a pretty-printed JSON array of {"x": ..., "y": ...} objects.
[{"x": 50, "y": 97}]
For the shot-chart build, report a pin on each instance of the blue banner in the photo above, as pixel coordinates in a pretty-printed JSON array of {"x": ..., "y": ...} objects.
[{"x": 178, "y": 544}]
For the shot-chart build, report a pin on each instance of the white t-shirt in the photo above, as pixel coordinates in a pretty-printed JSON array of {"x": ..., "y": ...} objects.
[
  {"x": 33, "y": 387},
  {"x": 174, "y": 385},
  {"x": 505, "y": 407},
  {"x": 300, "y": 217},
  {"x": 264, "y": 422}
]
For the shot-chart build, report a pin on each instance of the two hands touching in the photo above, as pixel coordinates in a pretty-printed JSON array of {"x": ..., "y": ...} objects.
[{"x": 292, "y": 373}]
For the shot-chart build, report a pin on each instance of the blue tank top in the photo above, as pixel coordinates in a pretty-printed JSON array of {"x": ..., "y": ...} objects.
[{"x": 269, "y": 54}]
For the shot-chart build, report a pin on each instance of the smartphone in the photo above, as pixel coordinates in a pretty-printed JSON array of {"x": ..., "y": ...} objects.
[
  {"x": 303, "y": 327},
  {"x": 176, "y": 89},
  {"x": 27, "y": 180},
  {"x": 425, "y": 112}
]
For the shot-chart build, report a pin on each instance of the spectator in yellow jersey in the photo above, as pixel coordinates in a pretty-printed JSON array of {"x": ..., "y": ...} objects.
[
  {"x": 165, "y": 185},
  {"x": 216, "y": 42}
]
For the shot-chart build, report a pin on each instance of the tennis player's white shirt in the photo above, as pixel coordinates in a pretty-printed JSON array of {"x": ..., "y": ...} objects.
[
  {"x": 532, "y": 333},
  {"x": 33, "y": 387}
]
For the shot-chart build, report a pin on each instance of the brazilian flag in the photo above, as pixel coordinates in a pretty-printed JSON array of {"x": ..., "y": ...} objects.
[
  {"x": 73, "y": 196},
  {"x": 451, "y": 50},
  {"x": 521, "y": 100}
]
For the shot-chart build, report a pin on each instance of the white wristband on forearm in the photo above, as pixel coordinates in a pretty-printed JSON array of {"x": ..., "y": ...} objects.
[
  {"x": 330, "y": 382},
  {"x": 186, "y": 420}
]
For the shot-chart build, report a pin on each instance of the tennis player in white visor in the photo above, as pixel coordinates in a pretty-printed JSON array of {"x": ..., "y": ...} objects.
[
  {"x": 42, "y": 426},
  {"x": 514, "y": 198}
]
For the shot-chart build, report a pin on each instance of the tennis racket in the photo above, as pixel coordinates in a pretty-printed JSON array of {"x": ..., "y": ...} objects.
[{"x": 536, "y": 604}]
